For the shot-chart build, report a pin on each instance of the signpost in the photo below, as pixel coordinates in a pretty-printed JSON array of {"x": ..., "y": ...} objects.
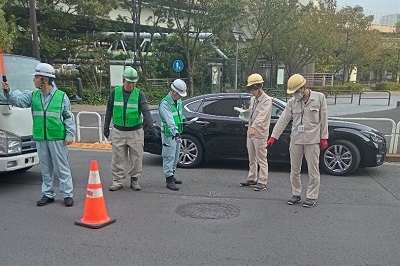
[{"x": 178, "y": 66}]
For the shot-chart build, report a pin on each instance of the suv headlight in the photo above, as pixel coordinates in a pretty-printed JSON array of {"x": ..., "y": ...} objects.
[{"x": 9, "y": 143}]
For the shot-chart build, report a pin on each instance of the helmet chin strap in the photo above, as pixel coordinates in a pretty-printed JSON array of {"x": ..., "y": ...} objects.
[{"x": 41, "y": 82}]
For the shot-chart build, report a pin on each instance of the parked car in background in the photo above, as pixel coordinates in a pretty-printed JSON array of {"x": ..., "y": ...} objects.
[{"x": 218, "y": 133}]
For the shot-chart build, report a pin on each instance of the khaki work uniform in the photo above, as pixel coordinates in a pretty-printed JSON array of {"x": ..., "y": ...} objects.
[
  {"x": 127, "y": 145},
  {"x": 260, "y": 118},
  {"x": 310, "y": 125}
]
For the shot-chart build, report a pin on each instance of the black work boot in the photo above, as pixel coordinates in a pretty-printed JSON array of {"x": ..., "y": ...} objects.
[
  {"x": 171, "y": 184},
  {"x": 178, "y": 182},
  {"x": 44, "y": 201}
]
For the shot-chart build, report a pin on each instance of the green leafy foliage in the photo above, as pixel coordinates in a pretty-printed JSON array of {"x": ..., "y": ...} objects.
[{"x": 8, "y": 31}]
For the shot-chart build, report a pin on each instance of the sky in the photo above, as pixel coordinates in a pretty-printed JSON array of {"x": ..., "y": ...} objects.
[{"x": 388, "y": 6}]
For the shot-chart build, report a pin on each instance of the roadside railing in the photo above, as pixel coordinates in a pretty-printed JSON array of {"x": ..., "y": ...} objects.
[
  {"x": 375, "y": 98},
  {"x": 319, "y": 79},
  {"x": 79, "y": 126},
  {"x": 344, "y": 94}
]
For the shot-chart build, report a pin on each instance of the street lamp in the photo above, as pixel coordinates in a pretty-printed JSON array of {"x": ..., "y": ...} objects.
[
  {"x": 35, "y": 37},
  {"x": 239, "y": 36}
]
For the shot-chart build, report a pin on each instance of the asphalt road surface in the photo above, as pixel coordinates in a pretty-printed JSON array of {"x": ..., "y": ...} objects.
[{"x": 355, "y": 222}]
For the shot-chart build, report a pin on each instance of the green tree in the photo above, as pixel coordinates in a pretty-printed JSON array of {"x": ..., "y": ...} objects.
[
  {"x": 153, "y": 25},
  {"x": 7, "y": 30},
  {"x": 265, "y": 22},
  {"x": 191, "y": 20},
  {"x": 357, "y": 39},
  {"x": 59, "y": 24},
  {"x": 310, "y": 40}
]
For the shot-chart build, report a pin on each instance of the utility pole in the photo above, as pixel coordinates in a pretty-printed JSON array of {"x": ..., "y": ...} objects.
[
  {"x": 271, "y": 80},
  {"x": 239, "y": 36},
  {"x": 35, "y": 36},
  {"x": 345, "y": 58},
  {"x": 134, "y": 32}
]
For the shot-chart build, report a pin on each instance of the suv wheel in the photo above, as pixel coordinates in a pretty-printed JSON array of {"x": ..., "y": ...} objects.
[
  {"x": 341, "y": 158},
  {"x": 191, "y": 153}
]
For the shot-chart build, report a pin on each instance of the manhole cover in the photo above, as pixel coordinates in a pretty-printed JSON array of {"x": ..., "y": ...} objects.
[{"x": 207, "y": 210}]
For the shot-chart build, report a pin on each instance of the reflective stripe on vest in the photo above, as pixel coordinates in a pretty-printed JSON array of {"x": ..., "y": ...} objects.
[
  {"x": 177, "y": 115},
  {"x": 131, "y": 114},
  {"x": 48, "y": 124}
]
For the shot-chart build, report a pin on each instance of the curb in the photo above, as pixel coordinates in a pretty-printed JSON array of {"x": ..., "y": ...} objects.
[
  {"x": 92, "y": 146},
  {"x": 392, "y": 158}
]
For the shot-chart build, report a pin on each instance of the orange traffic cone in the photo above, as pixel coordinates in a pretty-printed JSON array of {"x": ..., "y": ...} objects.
[{"x": 95, "y": 213}]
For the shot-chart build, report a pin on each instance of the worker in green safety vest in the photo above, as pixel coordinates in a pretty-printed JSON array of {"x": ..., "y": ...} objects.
[
  {"x": 171, "y": 129},
  {"x": 126, "y": 105},
  {"x": 53, "y": 129}
]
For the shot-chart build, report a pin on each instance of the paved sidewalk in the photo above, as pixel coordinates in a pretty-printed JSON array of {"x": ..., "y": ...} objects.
[{"x": 367, "y": 104}]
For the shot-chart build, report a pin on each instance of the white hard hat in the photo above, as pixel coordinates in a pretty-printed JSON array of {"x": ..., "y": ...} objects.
[
  {"x": 44, "y": 70},
  {"x": 179, "y": 86}
]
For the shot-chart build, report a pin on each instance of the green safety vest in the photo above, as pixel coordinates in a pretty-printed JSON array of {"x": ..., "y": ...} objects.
[
  {"x": 176, "y": 113},
  {"x": 132, "y": 115},
  {"x": 48, "y": 124}
]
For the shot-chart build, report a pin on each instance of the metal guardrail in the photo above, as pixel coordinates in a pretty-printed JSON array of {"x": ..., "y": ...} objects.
[
  {"x": 395, "y": 131},
  {"x": 328, "y": 94},
  {"x": 375, "y": 98},
  {"x": 349, "y": 95},
  {"x": 396, "y": 140},
  {"x": 319, "y": 79},
  {"x": 78, "y": 125}
]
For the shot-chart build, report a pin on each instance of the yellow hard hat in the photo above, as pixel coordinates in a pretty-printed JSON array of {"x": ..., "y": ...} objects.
[
  {"x": 254, "y": 79},
  {"x": 295, "y": 82}
]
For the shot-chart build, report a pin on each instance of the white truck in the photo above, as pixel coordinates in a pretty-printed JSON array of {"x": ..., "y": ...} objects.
[{"x": 17, "y": 147}]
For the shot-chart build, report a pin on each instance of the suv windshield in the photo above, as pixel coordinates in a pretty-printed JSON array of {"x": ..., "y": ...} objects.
[{"x": 19, "y": 70}]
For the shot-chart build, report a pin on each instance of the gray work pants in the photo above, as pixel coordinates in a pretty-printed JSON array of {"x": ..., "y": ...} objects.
[
  {"x": 53, "y": 156},
  {"x": 170, "y": 154}
]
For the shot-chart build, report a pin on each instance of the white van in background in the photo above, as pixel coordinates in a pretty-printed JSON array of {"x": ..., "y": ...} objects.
[{"x": 17, "y": 148}]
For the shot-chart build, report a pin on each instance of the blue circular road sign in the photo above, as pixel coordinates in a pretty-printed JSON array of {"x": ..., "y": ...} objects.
[{"x": 178, "y": 65}]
